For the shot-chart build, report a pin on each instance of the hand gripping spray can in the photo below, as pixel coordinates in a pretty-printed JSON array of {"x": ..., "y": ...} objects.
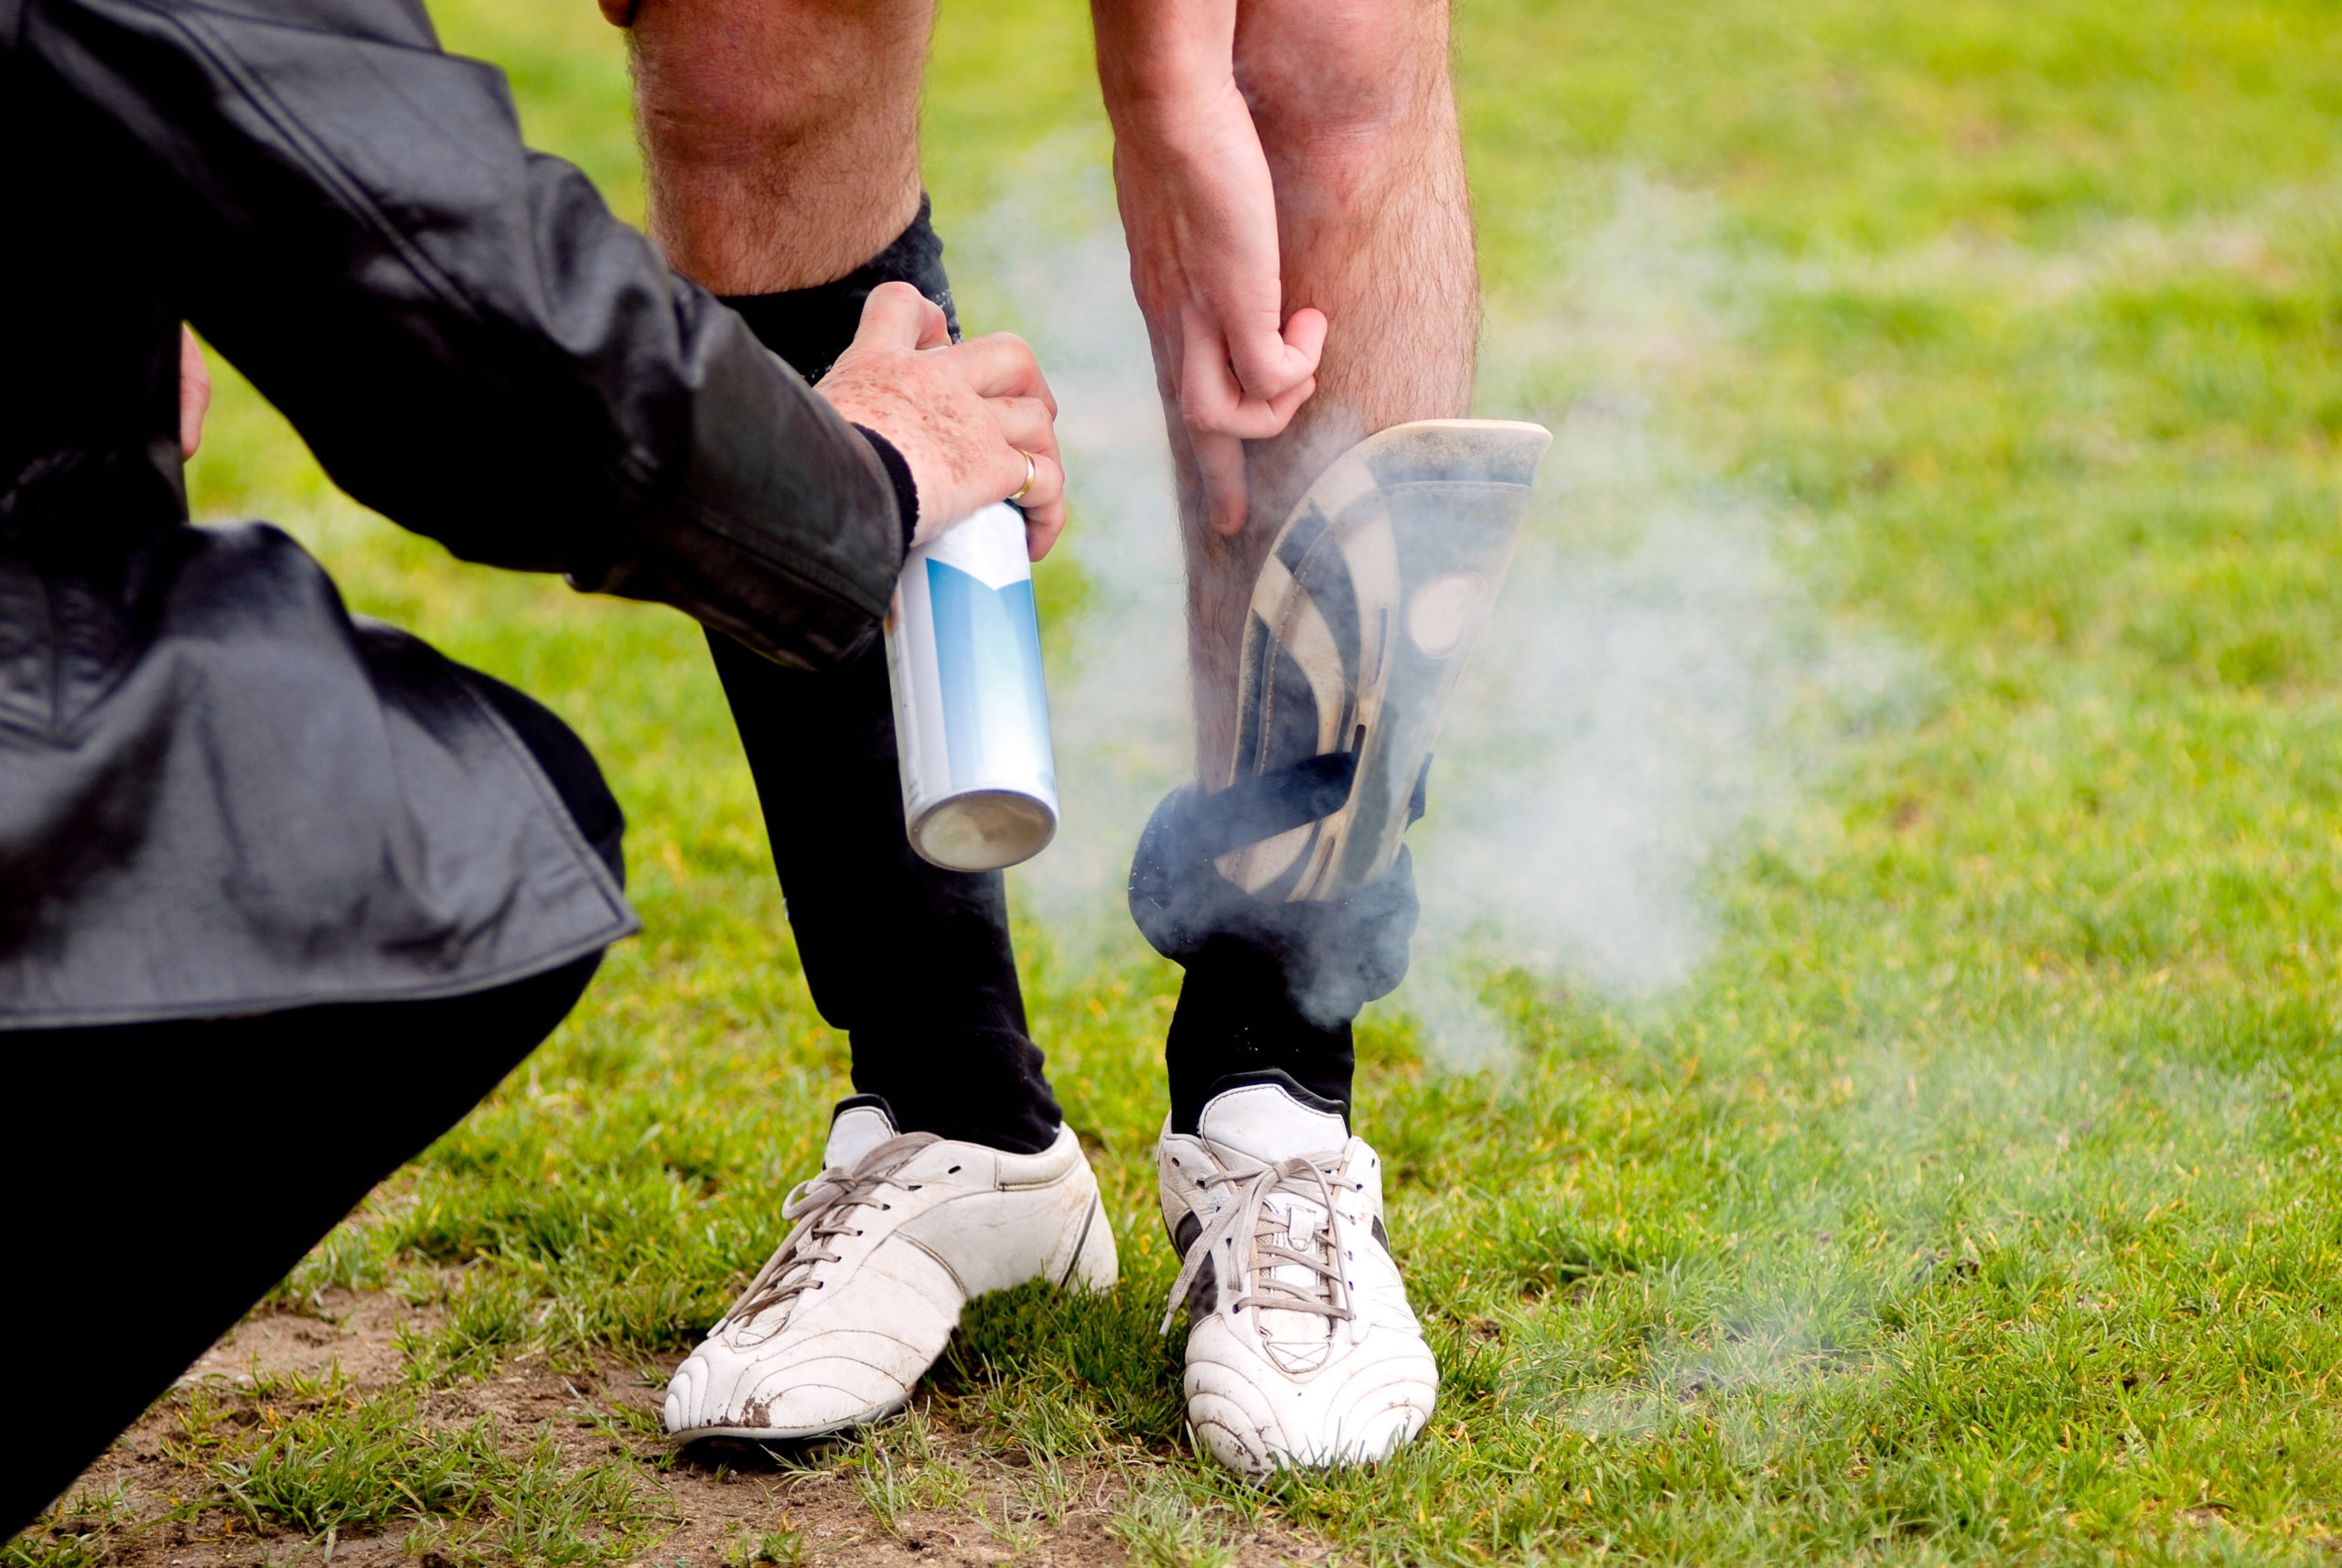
[{"x": 972, "y": 722}]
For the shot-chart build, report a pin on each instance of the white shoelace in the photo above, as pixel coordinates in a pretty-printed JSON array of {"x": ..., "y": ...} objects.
[
  {"x": 1254, "y": 1237},
  {"x": 824, "y": 1207}
]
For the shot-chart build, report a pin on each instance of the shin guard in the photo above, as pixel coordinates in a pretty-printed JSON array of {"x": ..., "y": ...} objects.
[
  {"x": 1361, "y": 620},
  {"x": 1362, "y": 617}
]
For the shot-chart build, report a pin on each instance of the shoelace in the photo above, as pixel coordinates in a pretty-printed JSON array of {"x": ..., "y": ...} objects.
[
  {"x": 823, "y": 1208},
  {"x": 1249, "y": 1230}
]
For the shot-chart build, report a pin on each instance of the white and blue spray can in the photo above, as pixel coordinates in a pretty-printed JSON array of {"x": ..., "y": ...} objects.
[{"x": 971, "y": 720}]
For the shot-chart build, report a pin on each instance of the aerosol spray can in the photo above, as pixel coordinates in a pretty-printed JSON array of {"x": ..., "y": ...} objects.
[{"x": 972, "y": 722}]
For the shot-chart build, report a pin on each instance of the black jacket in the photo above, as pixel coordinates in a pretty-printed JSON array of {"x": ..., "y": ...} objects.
[{"x": 217, "y": 793}]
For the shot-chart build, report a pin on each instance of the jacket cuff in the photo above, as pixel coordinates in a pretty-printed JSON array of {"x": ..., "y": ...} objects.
[{"x": 898, "y": 474}]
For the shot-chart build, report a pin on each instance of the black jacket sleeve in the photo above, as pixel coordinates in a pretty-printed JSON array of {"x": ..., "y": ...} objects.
[{"x": 465, "y": 336}]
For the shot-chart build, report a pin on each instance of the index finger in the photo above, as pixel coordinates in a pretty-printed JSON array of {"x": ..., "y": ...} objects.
[
  {"x": 1220, "y": 462},
  {"x": 1001, "y": 364}
]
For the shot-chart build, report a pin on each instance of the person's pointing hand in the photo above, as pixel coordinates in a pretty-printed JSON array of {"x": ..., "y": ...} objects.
[{"x": 1201, "y": 209}]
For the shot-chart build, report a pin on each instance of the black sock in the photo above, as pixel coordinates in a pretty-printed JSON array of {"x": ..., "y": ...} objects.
[
  {"x": 1271, "y": 986},
  {"x": 1235, "y": 1017},
  {"x": 809, "y": 328}
]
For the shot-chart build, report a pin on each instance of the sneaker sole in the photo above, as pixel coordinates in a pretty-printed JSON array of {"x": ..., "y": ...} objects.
[{"x": 786, "y": 1434}]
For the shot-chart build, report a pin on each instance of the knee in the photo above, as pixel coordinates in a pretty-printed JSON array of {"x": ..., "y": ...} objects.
[
  {"x": 723, "y": 75},
  {"x": 1349, "y": 73}
]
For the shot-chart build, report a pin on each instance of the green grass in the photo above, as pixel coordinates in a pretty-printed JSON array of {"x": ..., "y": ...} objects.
[
  {"x": 1977, "y": 1200},
  {"x": 320, "y": 1462}
]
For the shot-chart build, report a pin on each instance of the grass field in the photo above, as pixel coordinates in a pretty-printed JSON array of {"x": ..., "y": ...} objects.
[{"x": 1970, "y": 1192}]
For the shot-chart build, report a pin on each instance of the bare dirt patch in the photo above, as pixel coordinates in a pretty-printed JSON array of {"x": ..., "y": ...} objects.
[{"x": 930, "y": 1492}]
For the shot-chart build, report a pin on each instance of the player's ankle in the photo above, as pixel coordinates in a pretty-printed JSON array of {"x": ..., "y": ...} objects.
[
  {"x": 1236, "y": 1019},
  {"x": 969, "y": 1073},
  {"x": 1016, "y": 1118}
]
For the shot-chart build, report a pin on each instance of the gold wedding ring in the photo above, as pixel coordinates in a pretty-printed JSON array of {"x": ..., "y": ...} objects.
[{"x": 1030, "y": 470}]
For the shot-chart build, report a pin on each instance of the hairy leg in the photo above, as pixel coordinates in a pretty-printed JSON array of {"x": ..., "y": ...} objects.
[
  {"x": 1354, "y": 109},
  {"x": 781, "y": 137}
]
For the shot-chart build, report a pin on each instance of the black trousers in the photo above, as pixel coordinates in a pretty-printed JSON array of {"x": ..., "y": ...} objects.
[
  {"x": 915, "y": 962},
  {"x": 201, "y": 1159}
]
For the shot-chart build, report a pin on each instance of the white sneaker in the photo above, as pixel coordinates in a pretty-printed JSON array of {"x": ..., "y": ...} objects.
[
  {"x": 1301, "y": 1350},
  {"x": 892, "y": 1239}
]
